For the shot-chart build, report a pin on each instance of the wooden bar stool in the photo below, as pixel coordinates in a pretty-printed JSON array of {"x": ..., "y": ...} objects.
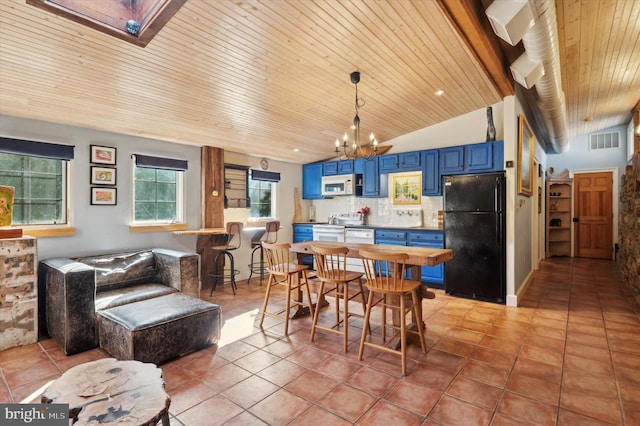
[
  {"x": 385, "y": 276},
  {"x": 234, "y": 241},
  {"x": 282, "y": 271},
  {"x": 269, "y": 236},
  {"x": 335, "y": 280}
]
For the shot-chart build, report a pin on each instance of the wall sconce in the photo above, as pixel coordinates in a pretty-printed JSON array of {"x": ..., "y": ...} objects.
[
  {"x": 526, "y": 72},
  {"x": 510, "y": 19}
]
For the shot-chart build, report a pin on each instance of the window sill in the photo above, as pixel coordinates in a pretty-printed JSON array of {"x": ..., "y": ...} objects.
[
  {"x": 65, "y": 231},
  {"x": 158, "y": 228}
]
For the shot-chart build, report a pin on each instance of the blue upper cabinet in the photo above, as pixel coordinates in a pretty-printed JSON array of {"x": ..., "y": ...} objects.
[
  {"x": 474, "y": 158},
  {"x": 345, "y": 167},
  {"x": 430, "y": 172},
  {"x": 342, "y": 167},
  {"x": 389, "y": 163},
  {"x": 479, "y": 157},
  {"x": 330, "y": 168},
  {"x": 368, "y": 177},
  {"x": 402, "y": 162},
  {"x": 312, "y": 181},
  {"x": 452, "y": 160},
  {"x": 409, "y": 161}
]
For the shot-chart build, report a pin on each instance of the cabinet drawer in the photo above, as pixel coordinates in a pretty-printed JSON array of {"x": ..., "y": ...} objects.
[
  {"x": 391, "y": 237},
  {"x": 416, "y": 238}
]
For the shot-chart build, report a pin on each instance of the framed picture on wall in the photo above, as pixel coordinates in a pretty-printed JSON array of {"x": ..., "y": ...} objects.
[
  {"x": 407, "y": 188},
  {"x": 525, "y": 157},
  {"x": 103, "y": 175},
  {"x": 103, "y": 155},
  {"x": 103, "y": 196}
]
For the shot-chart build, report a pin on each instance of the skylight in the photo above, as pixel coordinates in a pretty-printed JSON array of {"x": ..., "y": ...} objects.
[{"x": 135, "y": 21}]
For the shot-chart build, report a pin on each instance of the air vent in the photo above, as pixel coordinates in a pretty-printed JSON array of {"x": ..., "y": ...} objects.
[{"x": 604, "y": 141}]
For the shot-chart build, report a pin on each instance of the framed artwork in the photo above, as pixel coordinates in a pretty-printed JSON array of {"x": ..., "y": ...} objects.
[
  {"x": 525, "y": 157},
  {"x": 103, "y": 155},
  {"x": 103, "y": 175},
  {"x": 407, "y": 188},
  {"x": 103, "y": 196}
]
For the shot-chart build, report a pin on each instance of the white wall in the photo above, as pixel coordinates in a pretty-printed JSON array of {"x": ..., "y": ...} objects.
[{"x": 104, "y": 229}]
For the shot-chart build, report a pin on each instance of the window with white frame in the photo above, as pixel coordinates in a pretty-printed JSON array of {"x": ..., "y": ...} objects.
[
  {"x": 262, "y": 193},
  {"x": 38, "y": 172},
  {"x": 158, "y": 190}
]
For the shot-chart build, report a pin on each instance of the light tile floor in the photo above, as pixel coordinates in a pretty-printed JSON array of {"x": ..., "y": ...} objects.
[{"x": 568, "y": 355}]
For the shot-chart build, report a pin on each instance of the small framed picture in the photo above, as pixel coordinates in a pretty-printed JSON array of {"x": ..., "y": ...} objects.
[
  {"x": 103, "y": 155},
  {"x": 103, "y": 175},
  {"x": 103, "y": 196}
]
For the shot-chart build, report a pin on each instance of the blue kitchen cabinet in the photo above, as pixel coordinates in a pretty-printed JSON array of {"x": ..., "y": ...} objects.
[
  {"x": 430, "y": 172},
  {"x": 474, "y": 158},
  {"x": 402, "y": 162},
  {"x": 452, "y": 160},
  {"x": 329, "y": 168},
  {"x": 479, "y": 157},
  {"x": 433, "y": 275},
  {"x": 345, "y": 167},
  {"x": 389, "y": 163},
  {"x": 312, "y": 181},
  {"x": 369, "y": 182},
  {"x": 332, "y": 168},
  {"x": 303, "y": 232},
  {"x": 392, "y": 238}
]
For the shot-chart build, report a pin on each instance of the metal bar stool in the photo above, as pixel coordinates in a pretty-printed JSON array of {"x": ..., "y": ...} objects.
[
  {"x": 234, "y": 240},
  {"x": 282, "y": 271},
  {"x": 269, "y": 236},
  {"x": 335, "y": 280},
  {"x": 385, "y": 276}
]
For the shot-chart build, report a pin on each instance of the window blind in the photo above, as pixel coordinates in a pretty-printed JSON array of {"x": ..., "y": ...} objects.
[
  {"x": 160, "y": 163},
  {"x": 265, "y": 176},
  {"x": 37, "y": 149}
]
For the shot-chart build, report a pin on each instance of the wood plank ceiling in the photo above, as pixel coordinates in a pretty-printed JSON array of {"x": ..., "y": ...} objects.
[{"x": 269, "y": 77}]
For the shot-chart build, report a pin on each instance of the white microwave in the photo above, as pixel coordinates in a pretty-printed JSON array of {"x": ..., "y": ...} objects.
[{"x": 338, "y": 185}]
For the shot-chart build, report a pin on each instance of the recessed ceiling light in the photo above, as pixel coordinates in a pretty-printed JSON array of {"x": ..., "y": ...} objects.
[
  {"x": 588, "y": 119},
  {"x": 439, "y": 92},
  {"x": 296, "y": 150}
]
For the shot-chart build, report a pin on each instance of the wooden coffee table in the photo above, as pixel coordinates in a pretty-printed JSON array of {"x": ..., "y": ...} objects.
[{"x": 111, "y": 391}]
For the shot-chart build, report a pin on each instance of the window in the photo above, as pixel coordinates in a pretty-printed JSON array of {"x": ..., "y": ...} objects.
[
  {"x": 40, "y": 188},
  {"x": 157, "y": 191},
  {"x": 261, "y": 195},
  {"x": 39, "y": 173}
]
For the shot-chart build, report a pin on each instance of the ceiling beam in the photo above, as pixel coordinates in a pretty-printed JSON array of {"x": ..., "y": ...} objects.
[{"x": 468, "y": 18}]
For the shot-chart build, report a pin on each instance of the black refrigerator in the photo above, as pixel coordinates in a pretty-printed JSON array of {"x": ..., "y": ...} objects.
[{"x": 474, "y": 228}]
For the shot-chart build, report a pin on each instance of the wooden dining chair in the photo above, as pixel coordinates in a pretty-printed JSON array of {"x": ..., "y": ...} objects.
[
  {"x": 336, "y": 280},
  {"x": 385, "y": 276},
  {"x": 282, "y": 271}
]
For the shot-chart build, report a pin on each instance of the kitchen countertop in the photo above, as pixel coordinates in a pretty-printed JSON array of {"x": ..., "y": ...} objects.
[{"x": 414, "y": 228}]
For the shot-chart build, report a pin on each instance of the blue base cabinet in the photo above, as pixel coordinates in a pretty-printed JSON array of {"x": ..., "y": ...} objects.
[
  {"x": 433, "y": 275},
  {"x": 303, "y": 232}
]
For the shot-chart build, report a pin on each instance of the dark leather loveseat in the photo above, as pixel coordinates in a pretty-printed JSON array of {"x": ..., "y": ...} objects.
[{"x": 78, "y": 289}]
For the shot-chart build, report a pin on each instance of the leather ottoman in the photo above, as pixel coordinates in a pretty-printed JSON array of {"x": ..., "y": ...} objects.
[{"x": 160, "y": 328}]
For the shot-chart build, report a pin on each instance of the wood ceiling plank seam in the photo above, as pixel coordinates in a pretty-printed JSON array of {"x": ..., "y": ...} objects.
[
  {"x": 477, "y": 97},
  {"x": 568, "y": 41},
  {"x": 480, "y": 40},
  {"x": 588, "y": 23},
  {"x": 387, "y": 105},
  {"x": 602, "y": 24}
]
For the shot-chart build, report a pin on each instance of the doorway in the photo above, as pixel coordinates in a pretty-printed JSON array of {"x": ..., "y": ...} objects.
[{"x": 593, "y": 211}]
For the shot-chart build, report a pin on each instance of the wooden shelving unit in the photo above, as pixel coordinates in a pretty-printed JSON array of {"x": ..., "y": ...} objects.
[{"x": 559, "y": 218}]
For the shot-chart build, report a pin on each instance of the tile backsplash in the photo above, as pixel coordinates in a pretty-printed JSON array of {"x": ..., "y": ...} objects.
[{"x": 382, "y": 209}]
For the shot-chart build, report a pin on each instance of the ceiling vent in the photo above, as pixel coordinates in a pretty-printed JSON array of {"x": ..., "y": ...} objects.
[{"x": 610, "y": 140}]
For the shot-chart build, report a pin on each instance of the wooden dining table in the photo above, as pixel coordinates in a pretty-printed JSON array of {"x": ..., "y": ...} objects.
[{"x": 418, "y": 257}]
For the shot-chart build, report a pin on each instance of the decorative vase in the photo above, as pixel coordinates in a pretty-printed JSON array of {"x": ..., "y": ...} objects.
[
  {"x": 491, "y": 129},
  {"x": 6, "y": 205}
]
